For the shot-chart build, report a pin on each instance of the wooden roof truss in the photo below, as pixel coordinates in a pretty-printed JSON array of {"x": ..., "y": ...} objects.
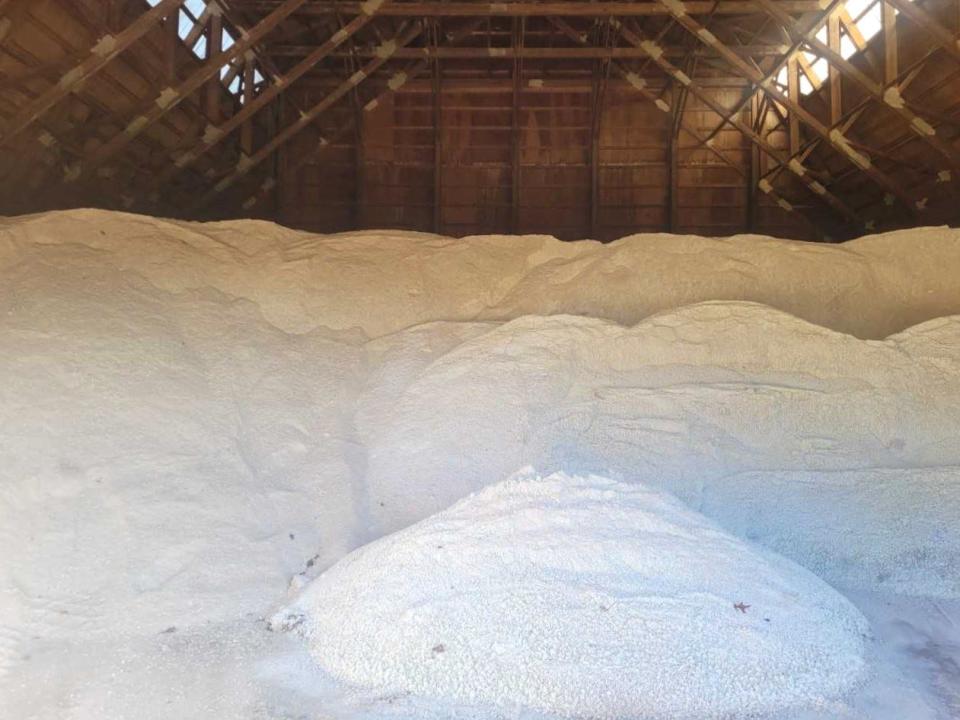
[{"x": 805, "y": 67}]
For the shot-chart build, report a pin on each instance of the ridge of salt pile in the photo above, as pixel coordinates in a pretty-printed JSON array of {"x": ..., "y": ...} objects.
[
  {"x": 581, "y": 596},
  {"x": 382, "y": 281}
]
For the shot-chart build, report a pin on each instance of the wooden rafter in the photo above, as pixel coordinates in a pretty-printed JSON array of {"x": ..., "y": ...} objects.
[
  {"x": 836, "y": 139},
  {"x": 855, "y": 113},
  {"x": 889, "y": 96},
  {"x": 267, "y": 187},
  {"x": 105, "y": 50},
  {"x": 799, "y": 169},
  {"x": 215, "y": 134},
  {"x": 247, "y": 164},
  {"x": 639, "y": 84},
  {"x": 171, "y": 97},
  {"x": 809, "y": 29}
]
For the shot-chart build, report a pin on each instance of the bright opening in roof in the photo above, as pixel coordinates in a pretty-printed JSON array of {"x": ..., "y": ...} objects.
[
  {"x": 191, "y": 27},
  {"x": 860, "y": 20}
]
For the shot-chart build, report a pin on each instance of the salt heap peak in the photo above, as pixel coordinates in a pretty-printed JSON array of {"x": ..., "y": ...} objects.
[{"x": 581, "y": 596}]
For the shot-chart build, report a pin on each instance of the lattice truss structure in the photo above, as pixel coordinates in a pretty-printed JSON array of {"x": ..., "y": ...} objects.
[{"x": 848, "y": 107}]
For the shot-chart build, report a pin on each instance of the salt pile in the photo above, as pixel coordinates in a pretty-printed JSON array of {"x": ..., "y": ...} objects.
[
  {"x": 582, "y": 597},
  {"x": 384, "y": 281},
  {"x": 187, "y": 420},
  {"x": 806, "y": 440}
]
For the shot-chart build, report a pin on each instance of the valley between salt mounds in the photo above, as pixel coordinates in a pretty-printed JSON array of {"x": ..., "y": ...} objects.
[{"x": 192, "y": 415}]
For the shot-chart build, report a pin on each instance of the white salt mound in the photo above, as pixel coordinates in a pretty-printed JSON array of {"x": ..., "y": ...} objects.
[
  {"x": 582, "y": 597},
  {"x": 386, "y": 280}
]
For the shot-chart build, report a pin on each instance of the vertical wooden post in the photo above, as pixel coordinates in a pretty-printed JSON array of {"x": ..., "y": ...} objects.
[
  {"x": 679, "y": 95},
  {"x": 280, "y": 168},
  {"x": 360, "y": 176},
  {"x": 836, "y": 88},
  {"x": 515, "y": 127},
  {"x": 753, "y": 176},
  {"x": 214, "y": 51},
  {"x": 114, "y": 12},
  {"x": 359, "y": 163},
  {"x": 672, "y": 169},
  {"x": 793, "y": 91},
  {"x": 246, "y": 130},
  {"x": 437, "y": 138},
  {"x": 890, "y": 50},
  {"x": 171, "y": 46},
  {"x": 595, "y": 100}
]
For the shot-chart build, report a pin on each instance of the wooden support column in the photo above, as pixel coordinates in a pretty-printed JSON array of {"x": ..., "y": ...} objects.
[
  {"x": 359, "y": 166},
  {"x": 437, "y": 85},
  {"x": 214, "y": 51},
  {"x": 596, "y": 98},
  {"x": 890, "y": 49},
  {"x": 836, "y": 86},
  {"x": 246, "y": 129},
  {"x": 171, "y": 47},
  {"x": 673, "y": 208},
  {"x": 679, "y": 95},
  {"x": 359, "y": 154},
  {"x": 753, "y": 177},
  {"x": 793, "y": 91},
  {"x": 515, "y": 129}
]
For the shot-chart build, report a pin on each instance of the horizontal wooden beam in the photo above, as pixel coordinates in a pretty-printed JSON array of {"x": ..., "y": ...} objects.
[
  {"x": 552, "y": 53},
  {"x": 534, "y": 84},
  {"x": 533, "y": 9}
]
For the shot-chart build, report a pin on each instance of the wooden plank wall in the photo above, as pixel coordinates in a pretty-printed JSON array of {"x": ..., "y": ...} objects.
[
  {"x": 634, "y": 172},
  {"x": 389, "y": 181}
]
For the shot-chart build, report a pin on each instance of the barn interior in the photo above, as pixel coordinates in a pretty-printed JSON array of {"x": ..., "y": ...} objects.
[
  {"x": 429, "y": 359},
  {"x": 797, "y": 119}
]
